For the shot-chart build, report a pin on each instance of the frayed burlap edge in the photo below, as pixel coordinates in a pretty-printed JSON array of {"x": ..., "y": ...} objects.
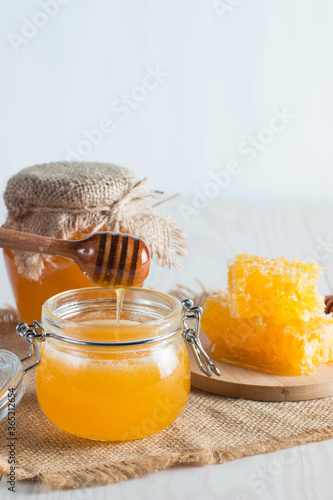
[{"x": 109, "y": 474}]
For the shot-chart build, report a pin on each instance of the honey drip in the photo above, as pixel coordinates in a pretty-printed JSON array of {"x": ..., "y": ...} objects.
[{"x": 120, "y": 292}]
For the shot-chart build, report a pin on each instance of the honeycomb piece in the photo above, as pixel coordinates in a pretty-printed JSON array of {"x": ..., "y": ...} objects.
[
  {"x": 264, "y": 345},
  {"x": 280, "y": 288}
]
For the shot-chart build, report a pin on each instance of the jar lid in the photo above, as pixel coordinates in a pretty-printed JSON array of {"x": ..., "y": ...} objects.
[{"x": 11, "y": 381}]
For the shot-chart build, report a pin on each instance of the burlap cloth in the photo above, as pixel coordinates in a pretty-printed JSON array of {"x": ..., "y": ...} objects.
[{"x": 211, "y": 430}]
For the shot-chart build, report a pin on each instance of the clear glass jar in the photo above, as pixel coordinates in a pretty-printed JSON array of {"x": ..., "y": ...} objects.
[
  {"x": 114, "y": 392},
  {"x": 101, "y": 380}
]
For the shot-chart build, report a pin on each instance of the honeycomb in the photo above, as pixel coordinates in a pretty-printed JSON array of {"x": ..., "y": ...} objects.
[
  {"x": 272, "y": 319},
  {"x": 279, "y": 288}
]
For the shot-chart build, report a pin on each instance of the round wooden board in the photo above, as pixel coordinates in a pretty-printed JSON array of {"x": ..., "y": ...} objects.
[{"x": 238, "y": 382}]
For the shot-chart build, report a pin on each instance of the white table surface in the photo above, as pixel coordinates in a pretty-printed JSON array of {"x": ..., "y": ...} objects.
[{"x": 216, "y": 234}]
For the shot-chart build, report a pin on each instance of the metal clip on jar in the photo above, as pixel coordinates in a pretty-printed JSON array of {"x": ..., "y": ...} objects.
[{"x": 99, "y": 380}]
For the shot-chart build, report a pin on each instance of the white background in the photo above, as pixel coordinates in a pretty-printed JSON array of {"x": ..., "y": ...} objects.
[
  {"x": 230, "y": 64},
  {"x": 226, "y": 75}
]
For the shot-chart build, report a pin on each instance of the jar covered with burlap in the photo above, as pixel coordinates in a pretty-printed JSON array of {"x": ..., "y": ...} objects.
[{"x": 70, "y": 200}]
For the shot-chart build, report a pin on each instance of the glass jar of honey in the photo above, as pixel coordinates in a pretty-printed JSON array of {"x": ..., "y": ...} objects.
[{"x": 106, "y": 380}]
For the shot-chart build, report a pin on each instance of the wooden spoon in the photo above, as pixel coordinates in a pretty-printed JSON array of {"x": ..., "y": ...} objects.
[{"x": 107, "y": 259}]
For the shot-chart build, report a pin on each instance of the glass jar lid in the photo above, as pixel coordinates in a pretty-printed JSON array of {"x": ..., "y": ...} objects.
[
  {"x": 81, "y": 317},
  {"x": 11, "y": 382}
]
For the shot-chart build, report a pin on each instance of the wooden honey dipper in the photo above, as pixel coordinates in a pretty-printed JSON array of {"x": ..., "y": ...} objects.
[
  {"x": 107, "y": 259},
  {"x": 328, "y": 304}
]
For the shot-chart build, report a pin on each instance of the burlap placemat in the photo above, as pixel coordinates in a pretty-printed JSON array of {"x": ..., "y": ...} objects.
[{"x": 211, "y": 430}]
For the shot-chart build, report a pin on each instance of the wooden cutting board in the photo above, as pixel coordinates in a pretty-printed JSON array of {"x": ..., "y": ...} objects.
[{"x": 238, "y": 382}]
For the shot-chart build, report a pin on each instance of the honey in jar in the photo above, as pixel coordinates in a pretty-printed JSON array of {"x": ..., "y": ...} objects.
[
  {"x": 103, "y": 380},
  {"x": 113, "y": 394},
  {"x": 58, "y": 276}
]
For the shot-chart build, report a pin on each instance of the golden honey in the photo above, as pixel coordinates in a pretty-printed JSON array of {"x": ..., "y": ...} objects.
[
  {"x": 58, "y": 276},
  {"x": 118, "y": 392}
]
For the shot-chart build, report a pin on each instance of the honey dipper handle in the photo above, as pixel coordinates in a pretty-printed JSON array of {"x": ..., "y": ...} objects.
[{"x": 17, "y": 240}]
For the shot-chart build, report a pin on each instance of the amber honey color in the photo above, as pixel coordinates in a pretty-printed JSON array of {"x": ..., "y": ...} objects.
[
  {"x": 60, "y": 275},
  {"x": 113, "y": 394}
]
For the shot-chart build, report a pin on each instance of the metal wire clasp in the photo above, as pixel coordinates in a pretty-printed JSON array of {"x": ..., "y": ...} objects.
[
  {"x": 191, "y": 337},
  {"x": 31, "y": 334}
]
